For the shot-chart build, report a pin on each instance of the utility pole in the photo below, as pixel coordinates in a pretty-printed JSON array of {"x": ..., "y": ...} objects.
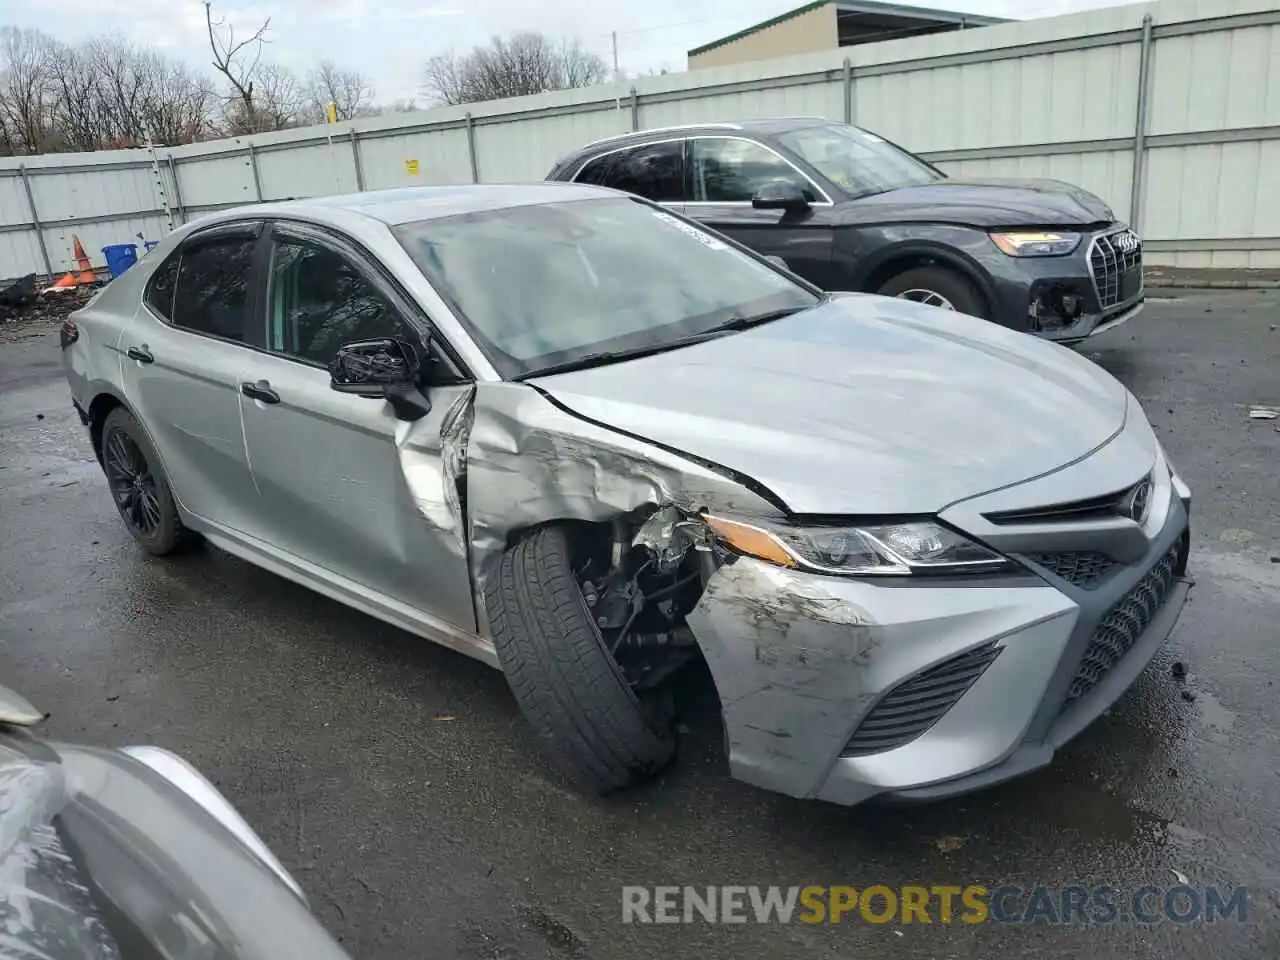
[{"x": 616, "y": 75}]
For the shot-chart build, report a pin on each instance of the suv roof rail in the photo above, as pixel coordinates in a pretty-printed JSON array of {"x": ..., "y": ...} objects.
[{"x": 681, "y": 126}]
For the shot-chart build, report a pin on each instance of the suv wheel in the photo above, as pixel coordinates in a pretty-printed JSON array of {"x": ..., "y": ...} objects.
[{"x": 936, "y": 287}]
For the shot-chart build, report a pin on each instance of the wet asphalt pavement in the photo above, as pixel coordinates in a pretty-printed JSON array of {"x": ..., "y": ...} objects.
[{"x": 399, "y": 783}]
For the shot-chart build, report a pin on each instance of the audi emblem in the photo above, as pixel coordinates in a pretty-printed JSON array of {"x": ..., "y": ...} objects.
[{"x": 1126, "y": 242}]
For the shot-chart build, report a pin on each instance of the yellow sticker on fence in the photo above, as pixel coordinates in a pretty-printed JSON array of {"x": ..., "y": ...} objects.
[{"x": 411, "y": 167}]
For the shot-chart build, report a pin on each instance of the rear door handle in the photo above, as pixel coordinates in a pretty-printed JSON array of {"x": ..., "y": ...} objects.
[
  {"x": 141, "y": 354},
  {"x": 260, "y": 391}
]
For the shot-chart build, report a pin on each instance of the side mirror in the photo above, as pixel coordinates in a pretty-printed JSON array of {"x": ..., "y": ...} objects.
[
  {"x": 779, "y": 195},
  {"x": 383, "y": 369}
]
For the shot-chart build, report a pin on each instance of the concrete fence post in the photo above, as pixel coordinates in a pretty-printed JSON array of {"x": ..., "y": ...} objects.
[
  {"x": 471, "y": 148},
  {"x": 35, "y": 220},
  {"x": 1139, "y": 182},
  {"x": 257, "y": 177},
  {"x": 635, "y": 110},
  {"x": 847, "y": 82},
  {"x": 355, "y": 159}
]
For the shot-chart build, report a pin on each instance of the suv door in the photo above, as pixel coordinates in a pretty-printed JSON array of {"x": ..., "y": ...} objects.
[
  {"x": 184, "y": 354},
  {"x": 724, "y": 174},
  {"x": 654, "y": 171},
  {"x": 348, "y": 489}
]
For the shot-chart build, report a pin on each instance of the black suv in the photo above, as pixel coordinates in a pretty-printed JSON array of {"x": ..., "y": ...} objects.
[{"x": 848, "y": 210}]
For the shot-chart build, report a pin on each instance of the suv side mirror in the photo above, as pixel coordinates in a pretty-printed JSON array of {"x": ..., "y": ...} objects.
[
  {"x": 383, "y": 369},
  {"x": 779, "y": 195}
]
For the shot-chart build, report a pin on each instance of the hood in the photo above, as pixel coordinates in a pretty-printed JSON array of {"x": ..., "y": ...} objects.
[
  {"x": 984, "y": 203},
  {"x": 862, "y": 405}
]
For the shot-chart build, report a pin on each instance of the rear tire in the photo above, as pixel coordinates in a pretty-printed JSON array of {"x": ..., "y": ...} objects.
[
  {"x": 947, "y": 285},
  {"x": 585, "y": 715},
  {"x": 139, "y": 486}
]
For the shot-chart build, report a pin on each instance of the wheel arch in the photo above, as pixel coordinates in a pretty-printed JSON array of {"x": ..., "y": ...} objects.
[
  {"x": 104, "y": 401},
  {"x": 910, "y": 254}
]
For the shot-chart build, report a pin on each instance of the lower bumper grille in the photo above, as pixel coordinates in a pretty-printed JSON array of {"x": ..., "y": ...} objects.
[
  {"x": 1125, "y": 622},
  {"x": 1082, "y": 568},
  {"x": 913, "y": 707}
]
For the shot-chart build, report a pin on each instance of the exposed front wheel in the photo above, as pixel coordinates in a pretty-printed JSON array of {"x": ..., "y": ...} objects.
[
  {"x": 583, "y": 711},
  {"x": 936, "y": 287},
  {"x": 138, "y": 485}
]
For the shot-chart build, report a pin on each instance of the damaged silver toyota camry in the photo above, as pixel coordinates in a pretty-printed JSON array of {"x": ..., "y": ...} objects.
[{"x": 589, "y": 442}]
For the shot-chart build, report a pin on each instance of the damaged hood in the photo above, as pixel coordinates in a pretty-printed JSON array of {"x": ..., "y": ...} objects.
[{"x": 862, "y": 405}]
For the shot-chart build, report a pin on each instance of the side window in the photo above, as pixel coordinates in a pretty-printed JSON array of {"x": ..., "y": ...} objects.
[
  {"x": 654, "y": 171},
  {"x": 595, "y": 170},
  {"x": 317, "y": 301},
  {"x": 213, "y": 287},
  {"x": 160, "y": 287},
  {"x": 730, "y": 171}
]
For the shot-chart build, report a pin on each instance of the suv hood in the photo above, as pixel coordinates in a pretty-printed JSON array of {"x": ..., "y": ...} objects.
[
  {"x": 984, "y": 203},
  {"x": 862, "y": 405}
]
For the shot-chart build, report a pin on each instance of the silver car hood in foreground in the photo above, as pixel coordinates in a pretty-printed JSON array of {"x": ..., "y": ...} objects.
[{"x": 862, "y": 405}]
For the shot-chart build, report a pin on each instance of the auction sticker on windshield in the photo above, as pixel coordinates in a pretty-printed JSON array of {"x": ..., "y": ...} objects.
[{"x": 703, "y": 238}]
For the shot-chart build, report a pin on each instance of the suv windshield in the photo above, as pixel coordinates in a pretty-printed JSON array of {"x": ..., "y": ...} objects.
[
  {"x": 589, "y": 281},
  {"x": 858, "y": 162}
]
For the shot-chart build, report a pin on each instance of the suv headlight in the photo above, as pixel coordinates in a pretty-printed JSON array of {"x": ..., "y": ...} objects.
[
  {"x": 1036, "y": 243},
  {"x": 883, "y": 549}
]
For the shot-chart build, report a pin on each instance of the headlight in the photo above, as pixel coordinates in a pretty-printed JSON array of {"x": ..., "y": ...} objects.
[
  {"x": 893, "y": 549},
  {"x": 194, "y": 784},
  {"x": 1036, "y": 243}
]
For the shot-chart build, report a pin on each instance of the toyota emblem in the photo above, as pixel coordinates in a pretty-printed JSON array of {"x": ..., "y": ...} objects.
[{"x": 1139, "y": 502}]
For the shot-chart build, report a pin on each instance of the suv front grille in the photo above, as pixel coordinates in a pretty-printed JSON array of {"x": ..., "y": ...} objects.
[
  {"x": 913, "y": 707},
  {"x": 1081, "y": 568},
  {"x": 1125, "y": 623},
  {"x": 1112, "y": 257}
]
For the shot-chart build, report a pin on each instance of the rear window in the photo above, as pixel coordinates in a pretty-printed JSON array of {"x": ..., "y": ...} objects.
[
  {"x": 163, "y": 282},
  {"x": 213, "y": 287}
]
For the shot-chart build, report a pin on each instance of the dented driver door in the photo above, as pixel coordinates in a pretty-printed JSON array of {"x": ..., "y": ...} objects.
[{"x": 344, "y": 484}]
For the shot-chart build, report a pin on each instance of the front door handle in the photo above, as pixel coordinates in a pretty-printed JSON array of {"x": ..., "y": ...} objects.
[
  {"x": 141, "y": 354},
  {"x": 260, "y": 391}
]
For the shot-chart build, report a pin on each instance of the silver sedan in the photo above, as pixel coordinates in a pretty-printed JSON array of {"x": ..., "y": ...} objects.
[{"x": 583, "y": 439}]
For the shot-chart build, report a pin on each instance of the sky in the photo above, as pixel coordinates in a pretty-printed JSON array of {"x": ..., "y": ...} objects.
[{"x": 388, "y": 40}]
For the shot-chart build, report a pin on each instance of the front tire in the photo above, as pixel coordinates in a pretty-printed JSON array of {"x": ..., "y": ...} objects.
[
  {"x": 936, "y": 287},
  {"x": 584, "y": 713},
  {"x": 138, "y": 485}
]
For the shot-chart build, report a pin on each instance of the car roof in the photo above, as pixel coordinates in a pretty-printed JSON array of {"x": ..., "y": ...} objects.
[
  {"x": 765, "y": 126},
  {"x": 409, "y": 204}
]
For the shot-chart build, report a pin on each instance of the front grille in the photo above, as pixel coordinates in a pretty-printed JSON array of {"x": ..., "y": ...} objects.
[
  {"x": 1106, "y": 507},
  {"x": 1080, "y": 568},
  {"x": 1125, "y": 623},
  {"x": 1111, "y": 259},
  {"x": 913, "y": 707}
]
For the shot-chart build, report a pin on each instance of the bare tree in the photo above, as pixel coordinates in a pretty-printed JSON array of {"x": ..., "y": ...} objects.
[
  {"x": 24, "y": 89},
  {"x": 522, "y": 64},
  {"x": 349, "y": 91},
  {"x": 238, "y": 62},
  {"x": 76, "y": 107}
]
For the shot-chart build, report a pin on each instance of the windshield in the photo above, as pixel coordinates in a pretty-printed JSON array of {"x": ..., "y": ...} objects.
[
  {"x": 550, "y": 284},
  {"x": 858, "y": 162}
]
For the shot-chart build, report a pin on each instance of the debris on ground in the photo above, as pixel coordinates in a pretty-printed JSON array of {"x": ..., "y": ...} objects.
[
  {"x": 1263, "y": 413},
  {"x": 1181, "y": 877},
  {"x": 18, "y": 314},
  {"x": 20, "y": 293},
  {"x": 1179, "y": 670},
  {"x": 1188, "y": 696},
  {"x": 949, "y": 844}
]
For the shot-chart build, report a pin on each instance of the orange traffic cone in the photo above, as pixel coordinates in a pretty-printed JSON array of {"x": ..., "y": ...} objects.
[{"x": 86, "y": 276}]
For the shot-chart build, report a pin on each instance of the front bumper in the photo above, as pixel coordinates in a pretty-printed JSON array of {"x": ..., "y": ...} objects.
[
  {"x": 801, "y": 660},
  {"x": 1026, "y": 290}
]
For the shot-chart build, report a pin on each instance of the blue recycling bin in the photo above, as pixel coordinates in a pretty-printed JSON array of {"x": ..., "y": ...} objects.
[{"x": 120, "y": 257}]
